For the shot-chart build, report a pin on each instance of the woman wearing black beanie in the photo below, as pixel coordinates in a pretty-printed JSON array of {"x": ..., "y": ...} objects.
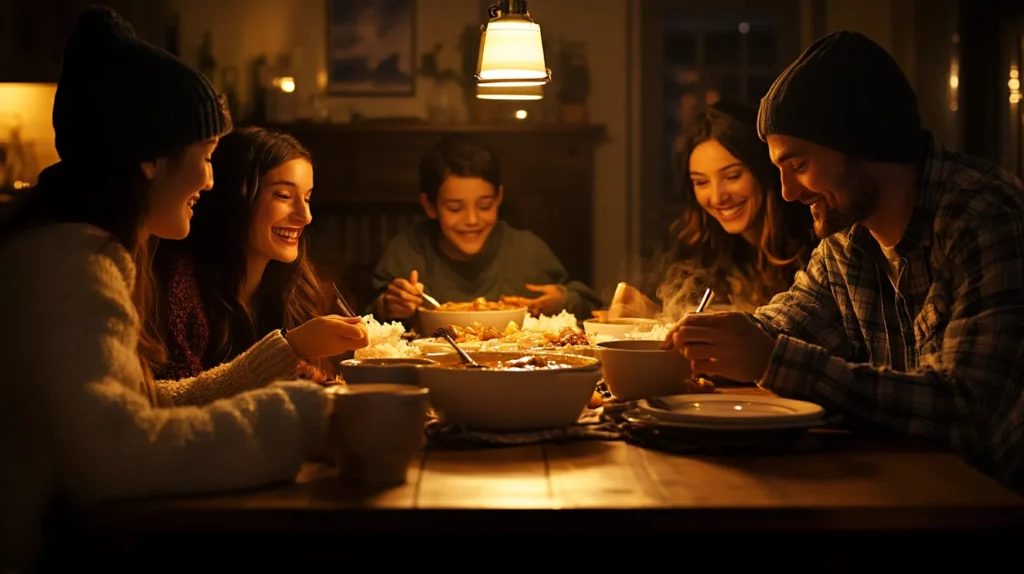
[{"x": 82, "y": 419}]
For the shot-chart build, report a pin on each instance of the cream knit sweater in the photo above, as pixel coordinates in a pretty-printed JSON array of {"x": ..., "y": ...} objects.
[{"x": 73, "y": 416}]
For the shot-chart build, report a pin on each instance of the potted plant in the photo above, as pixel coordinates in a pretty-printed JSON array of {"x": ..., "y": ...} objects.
[
  {"x": 574, "y": 83},
  {"x": 440, "y": 104}
]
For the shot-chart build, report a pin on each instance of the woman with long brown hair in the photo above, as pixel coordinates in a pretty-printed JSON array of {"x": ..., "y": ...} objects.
[
  {"x": 242, "y": 272},
  {"x": 82, "y": 419},
  {"x": 736, "y": 234}
]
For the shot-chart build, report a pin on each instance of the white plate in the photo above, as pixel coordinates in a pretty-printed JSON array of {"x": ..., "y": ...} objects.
[
  {"x": 725, "y": 409},
  {"x": 637, "y": 416}
]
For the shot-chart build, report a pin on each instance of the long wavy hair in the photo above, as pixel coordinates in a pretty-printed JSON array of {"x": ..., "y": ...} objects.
[
  {"x": 289, "y": 294},
  {"x": 787, "y": 235},
  {"x": 115, "y": 198}
]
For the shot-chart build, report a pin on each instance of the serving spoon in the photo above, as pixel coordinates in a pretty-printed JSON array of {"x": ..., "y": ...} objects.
[{"x": 463, "y": 355}]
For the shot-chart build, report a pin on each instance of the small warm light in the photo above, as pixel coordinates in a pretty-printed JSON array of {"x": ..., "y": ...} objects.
[
  {"x": 511, "y": 49},
  {"x": 286, "y": 84},
  {"x": 1014, "y": 84},
  {"x": 521, "y": 114},
  {"x": 738, "y": 407},
  {"x": 954, "y": 84}
]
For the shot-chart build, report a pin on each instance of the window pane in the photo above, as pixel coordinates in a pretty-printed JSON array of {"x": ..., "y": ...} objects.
[
  {"x": 727, "y": 87},
  {"x": 757, "y": 86},
  {"x": 680, "y": 48},
  {"x": 722, "y": 48},
  {"x": 762, "y": 47}
]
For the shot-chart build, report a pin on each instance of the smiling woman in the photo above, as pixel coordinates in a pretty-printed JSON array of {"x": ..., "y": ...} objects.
[
  {"x": 736, "y": 229},
  {"x": 242, "y": 272}
]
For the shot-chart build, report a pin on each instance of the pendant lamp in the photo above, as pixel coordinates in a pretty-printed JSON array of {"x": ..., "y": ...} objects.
[{"x": 511, "y": 50}]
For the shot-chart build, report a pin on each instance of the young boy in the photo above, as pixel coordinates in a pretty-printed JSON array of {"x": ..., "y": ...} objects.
[{"x": 465, "y": 251}]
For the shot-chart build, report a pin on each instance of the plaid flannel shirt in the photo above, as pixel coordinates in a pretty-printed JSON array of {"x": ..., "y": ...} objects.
[{"x": 941, "y": 355}]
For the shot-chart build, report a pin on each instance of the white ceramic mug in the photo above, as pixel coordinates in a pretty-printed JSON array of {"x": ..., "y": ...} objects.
[{"x": 377, "y": 430}]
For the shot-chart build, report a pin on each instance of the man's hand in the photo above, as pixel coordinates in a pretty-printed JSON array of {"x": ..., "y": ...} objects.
[{"x": 725, "y": 344}]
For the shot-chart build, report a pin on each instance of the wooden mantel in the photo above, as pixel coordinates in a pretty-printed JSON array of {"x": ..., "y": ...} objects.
[{"x": 367, "y": 187}]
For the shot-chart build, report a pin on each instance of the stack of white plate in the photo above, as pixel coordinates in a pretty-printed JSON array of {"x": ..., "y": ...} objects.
[{"x": 723, "y": 412}]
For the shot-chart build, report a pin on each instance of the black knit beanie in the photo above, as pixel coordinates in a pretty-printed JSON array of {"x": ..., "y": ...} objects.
[
  {"x": 847, "y": 93},
  {"x": 121, "y": 99}
]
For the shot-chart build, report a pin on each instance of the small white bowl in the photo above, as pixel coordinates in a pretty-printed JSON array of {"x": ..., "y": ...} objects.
[
  {"x": 618, "y": 328},
  {"x": 638, "y": 369}
]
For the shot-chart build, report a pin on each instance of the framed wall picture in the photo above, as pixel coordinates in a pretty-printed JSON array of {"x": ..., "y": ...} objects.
[{"x": 371, "y": 47}]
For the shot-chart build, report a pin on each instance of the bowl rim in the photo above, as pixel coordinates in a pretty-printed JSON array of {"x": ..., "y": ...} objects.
[
  {"x": 361, "y": 363},
  {"x": 379, "y": 388},
  {"x": 489, "y": 311},
  {"x": 591, "y": 363},
  {"x": 625, "y": 322},
  {"x": 604, "y": 345}
]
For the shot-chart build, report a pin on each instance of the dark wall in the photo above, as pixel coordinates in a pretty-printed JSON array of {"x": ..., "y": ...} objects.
[{"x": 982, "y": 80}]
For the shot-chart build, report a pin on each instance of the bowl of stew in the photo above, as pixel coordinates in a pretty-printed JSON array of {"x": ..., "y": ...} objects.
[
  {"x": 514, "y": 391},
  {"x": 479, "y": 313}
]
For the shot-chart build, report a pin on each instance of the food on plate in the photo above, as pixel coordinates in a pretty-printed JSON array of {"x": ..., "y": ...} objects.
[
  {"x": 700, "y": 385},
  {"x": 524, "y": 363},
  {"x": 479, "y": 304},
  {"x": 564, "y": 336}
]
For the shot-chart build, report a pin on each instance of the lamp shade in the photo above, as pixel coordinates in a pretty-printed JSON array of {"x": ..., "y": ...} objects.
[
  {"x": 502, "y": 92},
  {"x": 512, "y": 53}
]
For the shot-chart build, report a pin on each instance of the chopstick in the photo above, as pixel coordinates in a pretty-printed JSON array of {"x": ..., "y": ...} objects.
[
  {"x": 704, "y": 302},
  {"x": 708, "y": 296},
  {"x": 345, "y": 309}
]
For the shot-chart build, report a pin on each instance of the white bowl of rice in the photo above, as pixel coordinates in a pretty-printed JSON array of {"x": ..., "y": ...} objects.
[{"x": 385, "y": 341}]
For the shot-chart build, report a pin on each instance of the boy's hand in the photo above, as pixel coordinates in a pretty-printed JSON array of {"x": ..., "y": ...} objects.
[
  {"x": 552, "y": 299},
  {"x": 403, "y": 297}
]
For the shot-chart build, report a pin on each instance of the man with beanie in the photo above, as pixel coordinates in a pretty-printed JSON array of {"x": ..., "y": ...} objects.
[{"x": 909, "y": 317}]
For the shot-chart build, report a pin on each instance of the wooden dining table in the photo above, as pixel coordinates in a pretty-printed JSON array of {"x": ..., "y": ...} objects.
[{"x": 849, "y": 488}]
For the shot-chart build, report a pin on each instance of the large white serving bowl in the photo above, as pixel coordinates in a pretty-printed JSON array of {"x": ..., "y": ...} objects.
[
  {"x": 510, "y": 400},
  {"x": 431, "y": 320}
]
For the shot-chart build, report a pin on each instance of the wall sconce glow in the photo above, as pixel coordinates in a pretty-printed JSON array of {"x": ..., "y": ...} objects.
[
  {"x": 1014, "y": 84},
  {"x": 521, "y": 93},
  {"x": 286, "y": 84},
  {"x": 511, "y": 49},
  {"x": 521, "y": 114}
]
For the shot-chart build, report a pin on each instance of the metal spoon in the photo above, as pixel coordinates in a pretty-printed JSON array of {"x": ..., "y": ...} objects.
[
  {"x": 470, "y": 363},
  {"x": 433, "y": 302}
]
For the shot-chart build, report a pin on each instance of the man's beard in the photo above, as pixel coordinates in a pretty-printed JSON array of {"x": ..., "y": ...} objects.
[{"x": 861, "y": 201}]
